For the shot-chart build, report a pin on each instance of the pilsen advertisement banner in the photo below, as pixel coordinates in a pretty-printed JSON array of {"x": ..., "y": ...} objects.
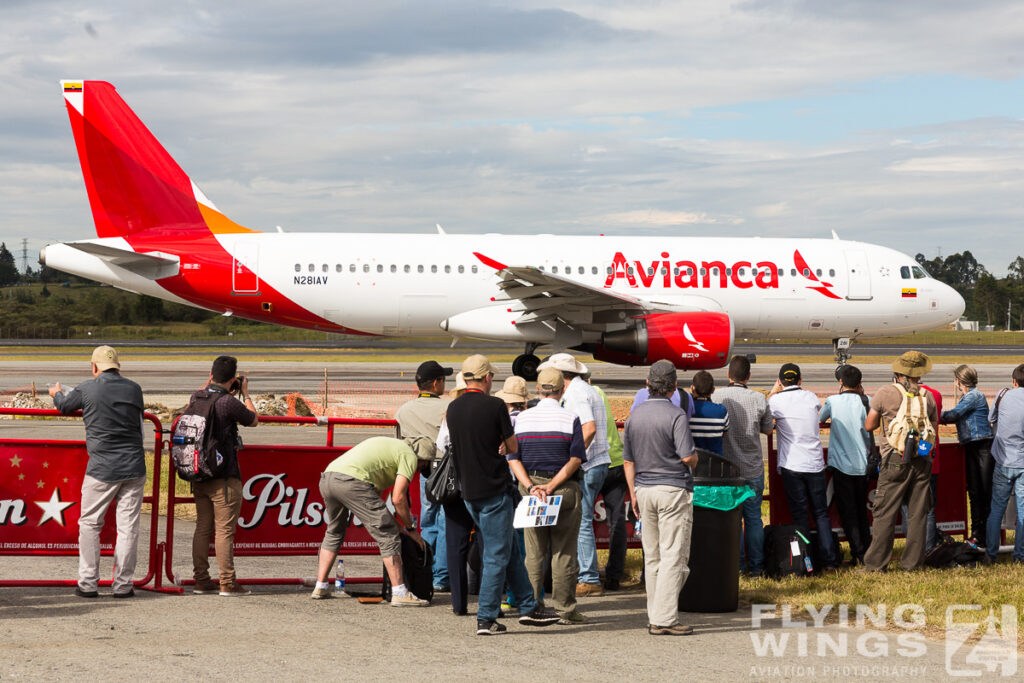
[
  {"x": 40, "y": 498},
  {"x": 283, "y": 511}
]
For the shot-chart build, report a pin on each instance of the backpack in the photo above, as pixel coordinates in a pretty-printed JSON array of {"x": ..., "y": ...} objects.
[
  {"x": 417, "y": 571},
  {"x": 911, "y": 425},
  {"x": 193, "y": 449},
  {"x": 948, "y": 554},
  {"x": 787, "y": 551}
]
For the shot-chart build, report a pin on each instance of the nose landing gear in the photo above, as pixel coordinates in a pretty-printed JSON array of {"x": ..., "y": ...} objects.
[
  {"x": 841, "y": 347},
  {"x": 525, "y": 365}
]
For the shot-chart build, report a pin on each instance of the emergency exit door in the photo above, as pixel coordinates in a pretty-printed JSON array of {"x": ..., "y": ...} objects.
[{"x": 858, "y": 276}]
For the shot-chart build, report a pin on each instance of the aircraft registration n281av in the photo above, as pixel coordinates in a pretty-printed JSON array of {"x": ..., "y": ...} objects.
[{"x": 629, "y": 300}]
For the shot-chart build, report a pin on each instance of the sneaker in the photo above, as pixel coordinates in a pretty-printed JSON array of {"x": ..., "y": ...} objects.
[
  {"x": 234, "y": 590},
  {"x": 585, "y": 589},
  {"x": 539, "y": 617},
  {"x": 86, "y": 594},
  {"x": 205, "y": 587},
  {"x": 572, "y": 619},
  {"x": 673, "y": 630},
  {"x": 489, "y": 628},
  {"x": 321, "y": 593},
  {"x": 130, "y": 593},
  {"x": 442, "y": 589},
  {"x": 408, "y": 600}
]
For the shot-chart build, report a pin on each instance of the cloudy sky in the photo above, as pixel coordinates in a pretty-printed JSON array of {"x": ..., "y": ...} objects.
[{"x": 898, "y": 123}]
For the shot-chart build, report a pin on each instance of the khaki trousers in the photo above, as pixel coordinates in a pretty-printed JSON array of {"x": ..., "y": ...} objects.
[
  {"x": 561, "y": 541},
  {"x": 218, "y": 502},
  {"x": 666, "y": 513},
  {"x": 896, "y": 484},
  {"x": 96, "y": 498}
]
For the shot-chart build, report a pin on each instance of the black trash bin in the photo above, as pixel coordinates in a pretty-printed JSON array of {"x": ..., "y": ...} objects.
[{"x": 714, "y": 581}]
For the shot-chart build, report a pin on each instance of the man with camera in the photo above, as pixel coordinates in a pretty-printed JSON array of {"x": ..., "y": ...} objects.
[{"x": 219, "y": 500}]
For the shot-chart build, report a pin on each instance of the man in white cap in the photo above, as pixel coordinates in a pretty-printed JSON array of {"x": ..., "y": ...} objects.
[
  {"x": 479, "y": 425},
  {"x": 583, "y": 399},
  {"x": 112, "y": 409}
]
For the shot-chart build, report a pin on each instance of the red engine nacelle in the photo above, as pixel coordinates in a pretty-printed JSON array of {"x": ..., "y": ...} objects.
[{"x": 691, "y": 341}]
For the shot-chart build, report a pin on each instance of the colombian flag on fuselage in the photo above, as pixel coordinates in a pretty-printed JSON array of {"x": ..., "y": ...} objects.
[{"x": 909, "y": 293}]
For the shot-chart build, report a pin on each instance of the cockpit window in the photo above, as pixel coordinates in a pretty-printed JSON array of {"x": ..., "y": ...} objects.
[
  {"x": 905, "y": 272},
  {"x": 919, "y": 273}
]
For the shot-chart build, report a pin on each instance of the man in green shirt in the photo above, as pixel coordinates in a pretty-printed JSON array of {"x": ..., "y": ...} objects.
[
  {"x": 614, "y": 494},
  {"x": 353, "y": 484}
]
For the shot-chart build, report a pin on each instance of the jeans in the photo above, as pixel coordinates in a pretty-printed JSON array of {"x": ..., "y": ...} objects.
[
  {"x": 593, "y": 480},
  {"x": 805, "y": 493},
  {"x": 1006, "y": 481},
  {"x": 752, "y": 540},
  {"x": 432, "y": 527},
  {"x": 502, "y": 558},
  {"x": 614, "y": 493}
]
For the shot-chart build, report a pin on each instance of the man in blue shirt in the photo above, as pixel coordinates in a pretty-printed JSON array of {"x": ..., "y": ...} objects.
[
  {"x": 710, "y": 420},
  {"x": 848, "y": 448},
  {"x": 1008, "y": 476}
]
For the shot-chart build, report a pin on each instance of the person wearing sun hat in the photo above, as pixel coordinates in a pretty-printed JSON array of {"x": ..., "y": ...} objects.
[
  {"x": 513, "y": 392},
  {"x": 901, "y": 477}
]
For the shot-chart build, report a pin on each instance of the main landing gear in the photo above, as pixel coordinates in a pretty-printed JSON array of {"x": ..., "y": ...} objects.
[{"x": 525, "y": 365}]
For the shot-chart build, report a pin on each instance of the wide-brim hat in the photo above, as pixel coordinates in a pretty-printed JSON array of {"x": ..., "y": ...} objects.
[
  {"x": 912, "y": 364},
  {"x": 564, "y": 362},
  {"x": 514, "y": 390}
]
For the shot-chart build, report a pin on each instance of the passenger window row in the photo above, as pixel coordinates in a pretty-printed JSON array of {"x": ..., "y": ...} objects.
[{"x": 379, "y": 268}]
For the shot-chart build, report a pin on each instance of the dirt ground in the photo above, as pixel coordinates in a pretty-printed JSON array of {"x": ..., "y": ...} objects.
[{"x": 280, "y": 633}]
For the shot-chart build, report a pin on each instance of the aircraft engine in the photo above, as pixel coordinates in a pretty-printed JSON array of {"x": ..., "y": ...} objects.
[{"x": 692, "y": 341}]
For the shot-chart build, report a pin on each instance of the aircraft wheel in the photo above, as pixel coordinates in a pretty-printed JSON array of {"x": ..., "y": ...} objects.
[{"x": 525, "y": 366}]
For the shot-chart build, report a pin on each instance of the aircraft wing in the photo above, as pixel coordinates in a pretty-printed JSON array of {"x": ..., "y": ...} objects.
[
  {"x": 542, "y": 296},
  {"x": 151, "y": 266}
]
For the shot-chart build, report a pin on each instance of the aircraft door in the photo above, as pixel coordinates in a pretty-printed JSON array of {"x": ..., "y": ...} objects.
[
  {"x": 245, "y": 268},
  {"x": 859, "y": 277}
]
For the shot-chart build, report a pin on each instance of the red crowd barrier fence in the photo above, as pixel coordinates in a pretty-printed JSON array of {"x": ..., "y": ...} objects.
[
  {"x": 40, "y": 500},
  {"x": 950, "y": 495}
]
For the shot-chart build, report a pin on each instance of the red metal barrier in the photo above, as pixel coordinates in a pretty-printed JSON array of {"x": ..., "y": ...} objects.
[
  {"x": 34, "y": 466},
  {"x": 951, "y": 491},
  {"x": 282, "y": 511}
]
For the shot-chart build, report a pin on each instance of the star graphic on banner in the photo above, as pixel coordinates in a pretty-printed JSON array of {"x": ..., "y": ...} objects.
[
  {"x": 65, "y": 480},
  {"x": 21, "y": 477},
  {"x": 53, "y": 508},
  {"x": 46, "y": 465},
  {"x": 40, "y": 484},
  {"x": 15, "y": 461}
]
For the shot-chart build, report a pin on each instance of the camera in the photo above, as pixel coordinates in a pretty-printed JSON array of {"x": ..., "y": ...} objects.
[{"x": 237, "y": 384}]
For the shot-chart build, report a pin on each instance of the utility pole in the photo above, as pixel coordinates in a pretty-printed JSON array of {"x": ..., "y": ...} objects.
[
  {"x": 24, "y": 255},
  {"x": 1009, "y": 303}
]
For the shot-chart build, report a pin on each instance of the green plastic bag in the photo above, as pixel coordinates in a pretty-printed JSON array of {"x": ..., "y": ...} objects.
[{"x": 721, "y": 497}]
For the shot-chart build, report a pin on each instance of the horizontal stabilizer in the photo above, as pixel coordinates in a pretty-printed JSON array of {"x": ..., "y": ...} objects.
[{"x": 151, "y": 266}]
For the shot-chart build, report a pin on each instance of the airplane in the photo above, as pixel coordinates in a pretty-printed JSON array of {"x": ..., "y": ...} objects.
[{"x": 628, "y": 300}]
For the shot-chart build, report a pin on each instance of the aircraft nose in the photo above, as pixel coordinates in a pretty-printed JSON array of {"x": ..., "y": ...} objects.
[{"x": 954, "y": 304}]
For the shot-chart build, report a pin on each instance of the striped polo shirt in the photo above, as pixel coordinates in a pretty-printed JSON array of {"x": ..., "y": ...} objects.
[
  {"x": 709, "y": 422},
  {"x": 548, "y": 435}
]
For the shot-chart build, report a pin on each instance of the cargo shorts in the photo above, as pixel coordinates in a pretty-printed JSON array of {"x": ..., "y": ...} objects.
[{"x": 345, "y": 496}]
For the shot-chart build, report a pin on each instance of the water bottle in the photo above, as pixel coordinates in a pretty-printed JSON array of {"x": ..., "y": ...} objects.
[
  {"x": 339, "y": 576},
  {"x": 808, "y": 565},
  {"x": 636, "y": 529}
]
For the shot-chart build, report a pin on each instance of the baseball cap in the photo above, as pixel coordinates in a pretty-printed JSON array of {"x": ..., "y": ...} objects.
[
  {"x": 514, "y": 390},
  {"x": 564, "y": 362},
  {"x": 476, "y": 367},
  {"x": 789, "y": 373},
  {"x": 662, "y": 373},
  {"x": 105, "y": 358},
  {"x": 431, "y": 370},
  {"x": 550, "y": 379}
]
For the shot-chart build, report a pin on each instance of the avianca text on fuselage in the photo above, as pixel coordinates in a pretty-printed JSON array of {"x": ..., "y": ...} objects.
[{"x": 690, "y": 274}]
